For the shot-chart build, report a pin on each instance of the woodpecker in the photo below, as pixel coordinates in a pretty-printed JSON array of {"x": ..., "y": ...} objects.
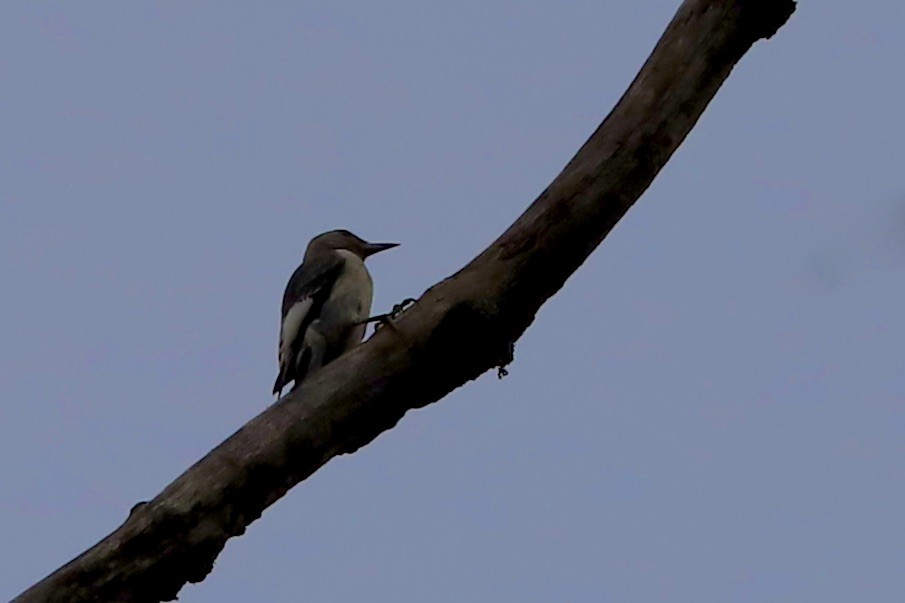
[{"x": 325, "y": 303}]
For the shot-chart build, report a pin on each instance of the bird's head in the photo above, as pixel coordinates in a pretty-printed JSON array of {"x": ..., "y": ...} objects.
[{"x": 343, "y": 239}]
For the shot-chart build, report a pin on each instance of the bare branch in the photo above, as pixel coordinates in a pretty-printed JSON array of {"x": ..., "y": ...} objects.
[{"x": 458, "y": 329}]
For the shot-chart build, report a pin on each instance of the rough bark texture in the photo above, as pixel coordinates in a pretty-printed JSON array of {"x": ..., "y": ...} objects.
[{"x": 459, "y": 328}]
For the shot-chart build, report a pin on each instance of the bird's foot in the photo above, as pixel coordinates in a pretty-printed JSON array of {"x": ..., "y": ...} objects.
[
  {"x": 395, "y": 312},
  {"x": 402, "y": 306},
  {"x": 385, "y": 319}
]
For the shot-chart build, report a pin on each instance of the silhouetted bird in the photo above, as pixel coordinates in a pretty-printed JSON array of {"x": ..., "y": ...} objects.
[{"x": 325, "y": 302}]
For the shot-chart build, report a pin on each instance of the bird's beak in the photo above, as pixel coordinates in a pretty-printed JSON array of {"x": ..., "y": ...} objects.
[{"x": 372, "y": 248}]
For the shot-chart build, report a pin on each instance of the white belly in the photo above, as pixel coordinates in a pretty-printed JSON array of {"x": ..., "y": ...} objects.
[{"x": 350, "y": 299}]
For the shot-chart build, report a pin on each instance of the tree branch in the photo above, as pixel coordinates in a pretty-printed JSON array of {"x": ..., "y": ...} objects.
[{"x": 459, "y": 328}]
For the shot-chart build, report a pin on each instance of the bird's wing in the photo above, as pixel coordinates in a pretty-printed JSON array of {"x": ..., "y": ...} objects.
[
  {"x": 312, "y": 280},
  {"x": 307, "y": 290}
]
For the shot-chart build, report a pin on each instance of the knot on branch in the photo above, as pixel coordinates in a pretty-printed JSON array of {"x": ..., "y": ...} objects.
[
  {"x": 505, "y": 361},
  {"x": 472, "y": 338}
]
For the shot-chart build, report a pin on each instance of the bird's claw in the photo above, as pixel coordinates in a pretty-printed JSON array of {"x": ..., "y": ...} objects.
[
  {"x": 402, "y": 306},
  {"x": 385, "y": 319}
]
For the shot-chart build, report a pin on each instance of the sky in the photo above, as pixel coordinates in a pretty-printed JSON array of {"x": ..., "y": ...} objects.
[{"x": 711, "y": 410}]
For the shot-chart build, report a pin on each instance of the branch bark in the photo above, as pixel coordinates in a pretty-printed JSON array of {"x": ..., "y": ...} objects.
[{"x": 459, "y": 328}]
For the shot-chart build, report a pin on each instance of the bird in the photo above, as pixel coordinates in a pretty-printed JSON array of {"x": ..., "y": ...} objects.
[{"x": 325, "y": 305}]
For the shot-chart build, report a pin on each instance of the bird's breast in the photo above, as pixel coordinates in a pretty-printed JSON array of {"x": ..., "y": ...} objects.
[{"x": 351, "y": 295}]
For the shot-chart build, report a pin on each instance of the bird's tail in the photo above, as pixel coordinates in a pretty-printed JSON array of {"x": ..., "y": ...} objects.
[{"x": 290, "y": 372}]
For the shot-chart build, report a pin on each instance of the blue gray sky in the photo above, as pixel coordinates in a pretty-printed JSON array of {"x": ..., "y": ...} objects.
[{"x": 712, "y": 410}]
